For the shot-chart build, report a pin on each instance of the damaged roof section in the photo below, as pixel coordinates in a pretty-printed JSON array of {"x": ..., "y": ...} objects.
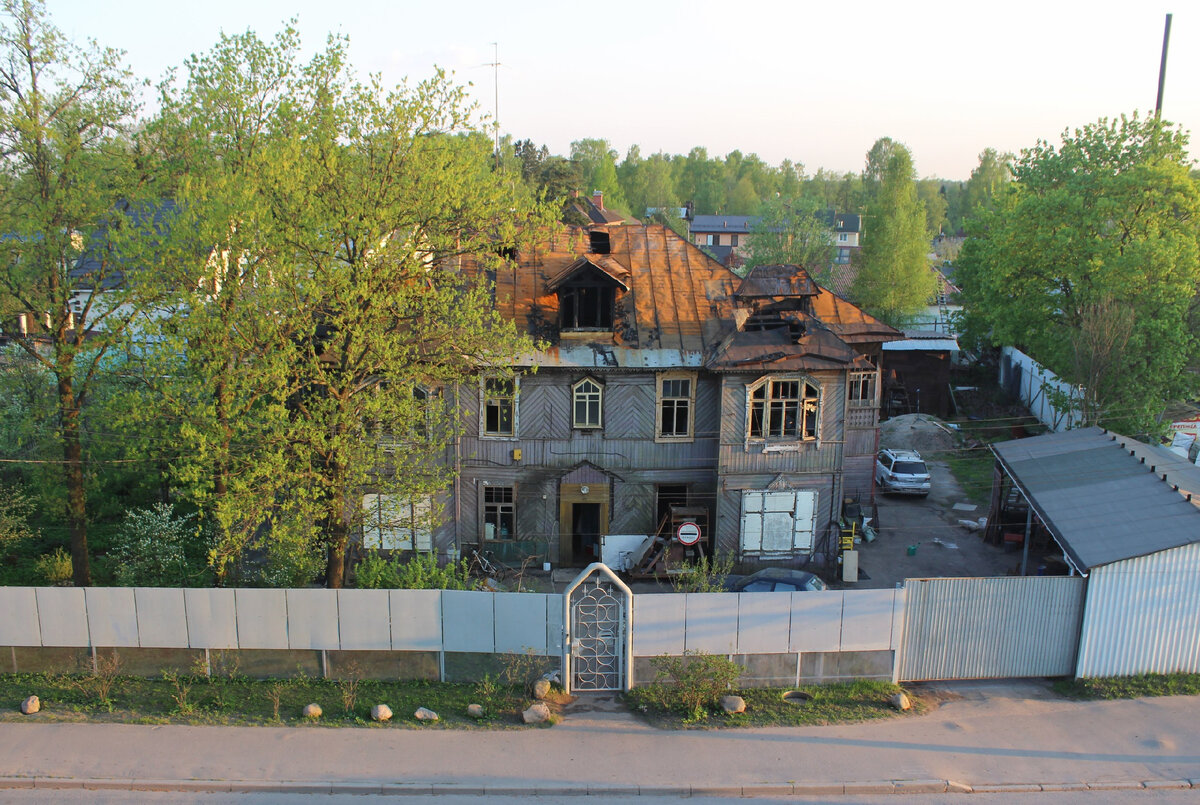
[
  {"x": 652, "y": 299},
  {"x": 781, "y": 326}
]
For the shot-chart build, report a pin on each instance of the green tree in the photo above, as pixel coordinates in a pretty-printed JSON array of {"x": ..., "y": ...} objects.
[
  {"x": 893, "y": 280},
  {"x": 791, "y": 232},
  {"x": 72, "y": 211},
  {"x": 597, "y": 162},
  {"x": 988, "y": 180},
  {"x": 1090, "y": 263},
  {"x": 930, "y": 192}
]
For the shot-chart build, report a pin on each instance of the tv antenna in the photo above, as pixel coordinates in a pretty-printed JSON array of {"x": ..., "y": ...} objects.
[{"x": 1162, "y": 69}]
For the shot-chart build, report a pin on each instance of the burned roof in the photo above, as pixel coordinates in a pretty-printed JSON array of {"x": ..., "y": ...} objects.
[
  {"x": 1100, "y": 496},
  {"x": 674, "y": 306}
]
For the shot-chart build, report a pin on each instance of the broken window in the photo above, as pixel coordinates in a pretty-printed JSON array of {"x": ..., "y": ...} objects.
[
  {"x": 599, "y": 242},
  {"x": 783, "y": 408},
  {"x": 499, "y": 513},
  {"x": 586, "y": 306},
  {"x": 862, "y": 389},
  {"x": 676, "y": 401},
  {"x": 499, "y": 407}
]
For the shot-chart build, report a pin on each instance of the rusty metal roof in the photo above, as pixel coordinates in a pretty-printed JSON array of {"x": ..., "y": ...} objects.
[{"x": 676, "y": 307}]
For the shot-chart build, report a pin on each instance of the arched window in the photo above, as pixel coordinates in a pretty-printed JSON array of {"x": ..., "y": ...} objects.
[
  {"x": 587, "y": 397},
  {"x": 783, "y": 408}
]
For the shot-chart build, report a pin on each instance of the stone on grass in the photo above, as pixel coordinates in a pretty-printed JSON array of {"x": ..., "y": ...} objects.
[
  {"x": 541, "y": 688},
  {"x": 733, "y": 704},
  {"x": 312, "y": 710},
  {"x": 900, "y": 701},
  {"x": 31, "y": 705},
  {"x": 381, "y": 712},
  {"x": 475, "y": 710},
  {"x": 425, "y": 714},
  {"x": 537, "y": 713}
]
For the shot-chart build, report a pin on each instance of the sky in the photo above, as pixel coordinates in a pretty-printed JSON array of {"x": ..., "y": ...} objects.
[{"x": 816, "y": 83}]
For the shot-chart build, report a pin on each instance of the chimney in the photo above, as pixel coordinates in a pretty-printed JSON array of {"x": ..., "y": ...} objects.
[{"x": 598, "y": 199}]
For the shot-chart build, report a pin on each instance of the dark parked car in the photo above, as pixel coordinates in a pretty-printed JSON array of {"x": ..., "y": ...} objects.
[{"x": 775, "y": 579}]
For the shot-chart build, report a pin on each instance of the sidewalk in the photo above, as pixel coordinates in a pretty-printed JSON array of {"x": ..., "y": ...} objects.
[{"x": 984, "y": 736}]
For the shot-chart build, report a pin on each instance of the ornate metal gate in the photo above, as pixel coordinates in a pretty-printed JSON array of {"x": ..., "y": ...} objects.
[{"x": 598, "y": 636}]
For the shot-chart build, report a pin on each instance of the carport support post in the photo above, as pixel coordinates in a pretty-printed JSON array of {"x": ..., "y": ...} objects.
[{"x": 1025, "y": 542}]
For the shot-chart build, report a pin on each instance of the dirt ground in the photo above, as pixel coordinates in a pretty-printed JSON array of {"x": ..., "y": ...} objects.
[{"x": 922, "y": 537}]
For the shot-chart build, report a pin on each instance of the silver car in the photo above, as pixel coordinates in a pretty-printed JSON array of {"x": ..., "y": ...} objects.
[{"x": 901, "y": 471}]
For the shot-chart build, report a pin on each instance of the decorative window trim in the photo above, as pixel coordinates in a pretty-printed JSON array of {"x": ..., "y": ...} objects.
[
  {"x": 775, "y": 411},
  {"x": 862, "y": 389},
  {"x": 593, "y": 401},
  {"x": 499, "y": 503},
  {"x": 660, "y": 401},
  {"x": 486, "y": 396}
]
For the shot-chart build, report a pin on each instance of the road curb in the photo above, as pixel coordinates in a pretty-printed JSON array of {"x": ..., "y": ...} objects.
[{"x": 396, "y": 788}]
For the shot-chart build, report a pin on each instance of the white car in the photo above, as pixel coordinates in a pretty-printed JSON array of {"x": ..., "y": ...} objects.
[{"x": 901, "y": 471}]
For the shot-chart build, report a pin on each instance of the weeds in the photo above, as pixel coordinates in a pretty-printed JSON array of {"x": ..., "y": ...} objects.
[
  {"x": 275, "y": 697},
  {"x": 703, "y": 575},
  {"x": 690, "y": 684},
  {"x": 98, "y": 683},
  {"x": 349, "y": 683},
  {"x": 180, "y": 695}
]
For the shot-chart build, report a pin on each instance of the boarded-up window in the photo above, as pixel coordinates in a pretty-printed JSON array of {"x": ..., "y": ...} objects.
[
  {"x": 778, "y": 524},
  {"x": 398, "y": 523}
]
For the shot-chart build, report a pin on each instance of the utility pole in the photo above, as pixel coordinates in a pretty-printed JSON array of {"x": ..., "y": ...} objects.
[
  {"x": 495, "y": 65},
  {"x": 1162, "y": 69}
]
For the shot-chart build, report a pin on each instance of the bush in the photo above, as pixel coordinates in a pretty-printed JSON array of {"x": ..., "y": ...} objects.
[
  {"x": 55, "y": 567},
  {"x": 703, "y": 575},
  {"x": 418, "y": 573},
  {"x": 691, "y": 684},
  {"x": 155, "y": 548}
]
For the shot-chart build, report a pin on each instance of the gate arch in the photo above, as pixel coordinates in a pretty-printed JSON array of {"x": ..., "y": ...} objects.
[{"x": 597, "y": 649}]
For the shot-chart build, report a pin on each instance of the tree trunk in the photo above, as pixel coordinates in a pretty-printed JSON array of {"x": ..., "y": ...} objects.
[
  {"x": 68, "y": 408},
  {"x": 339, "y": 533}
]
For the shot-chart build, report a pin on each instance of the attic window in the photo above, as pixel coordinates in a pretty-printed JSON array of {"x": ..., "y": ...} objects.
[
  {"x": 586, "y": 306},
  {"x": 507, "y": 252},
  {"x": 600, "y": 243},
  {"x": 764, "y": 321}
]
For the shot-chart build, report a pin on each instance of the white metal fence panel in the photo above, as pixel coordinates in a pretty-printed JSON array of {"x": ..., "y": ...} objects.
[
  {"x": 468, "y": 621},
  {"x": 62, "y": 613},
  {"x": 554, "y": 626},
  {"x": 364, "y": 620},
  {"x": 1143, "y": 616},
  {"x": 984, "y": 628},
  {"x": 417, "y": 619},
  {"x": 521, "y": 620},
  {"x": 19, "y": 624},
  {"x": 764, "y": 622},
  {"x": 710, "y": 623},
  {"x": 112, "y": 616},
  {"x": 161, "y": 617},
  {"x": 658, "y": 624},
  {"x": 211, "y": 618},
  {"x": 867, "y": 620},
  {"x": 312, "y": 620},
  {"x": 816, "y": 621},
  {"x": 262, "y": 620}
]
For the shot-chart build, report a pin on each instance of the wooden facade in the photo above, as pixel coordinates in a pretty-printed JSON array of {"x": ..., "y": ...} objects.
[{"x": 664, "y": 416}]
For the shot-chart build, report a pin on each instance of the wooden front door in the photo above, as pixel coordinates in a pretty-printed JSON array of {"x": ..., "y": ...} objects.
[{"x": 583, "y": 513}]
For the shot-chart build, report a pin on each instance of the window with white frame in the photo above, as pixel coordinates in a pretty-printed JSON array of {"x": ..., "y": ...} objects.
[
  {"x": 499, "y": 513},
  {"x": 862, "y": 389},
  {"x": 587, "y": 398},
  {"x": 676, "y": 406},
  {"x": 398, "y": 522},
  {"x": 783, "y": 408},
  {"x": 498, "y": 411}
]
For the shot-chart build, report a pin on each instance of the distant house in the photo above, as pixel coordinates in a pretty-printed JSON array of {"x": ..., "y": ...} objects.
[
  {"x": 726, "y": 235},
  {"x": 667, "y": 381}
]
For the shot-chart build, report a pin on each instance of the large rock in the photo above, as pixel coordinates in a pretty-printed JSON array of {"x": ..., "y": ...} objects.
[
  {"x": 537, "y": 713},
  {"x": 31, "y": 705},
  {"x": 733, "y": 704},
  {"x": 541, "y": 689},
  {"x": 313, "y": 711},
  {"x": 425, "y": 714},
  {"x": 475, "y": 710},
  {"x": 900, "y": 701},
  {"x": 381, "y": 712}
]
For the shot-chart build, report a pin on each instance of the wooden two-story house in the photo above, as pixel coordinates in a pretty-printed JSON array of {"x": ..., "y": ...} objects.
[{"x": 667, "y": 380}]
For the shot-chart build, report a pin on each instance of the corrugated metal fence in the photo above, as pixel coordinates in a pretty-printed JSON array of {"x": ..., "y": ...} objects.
[{"x": 990, "y": 628}]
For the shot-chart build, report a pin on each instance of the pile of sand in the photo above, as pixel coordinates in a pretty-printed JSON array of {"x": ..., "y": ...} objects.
[{"x": 924, "y": 433}]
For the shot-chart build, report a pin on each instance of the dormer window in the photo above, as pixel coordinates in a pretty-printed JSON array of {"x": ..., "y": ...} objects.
[
  {"x": 586, "y": 306},
  {"x": 599, "y": 242}
]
